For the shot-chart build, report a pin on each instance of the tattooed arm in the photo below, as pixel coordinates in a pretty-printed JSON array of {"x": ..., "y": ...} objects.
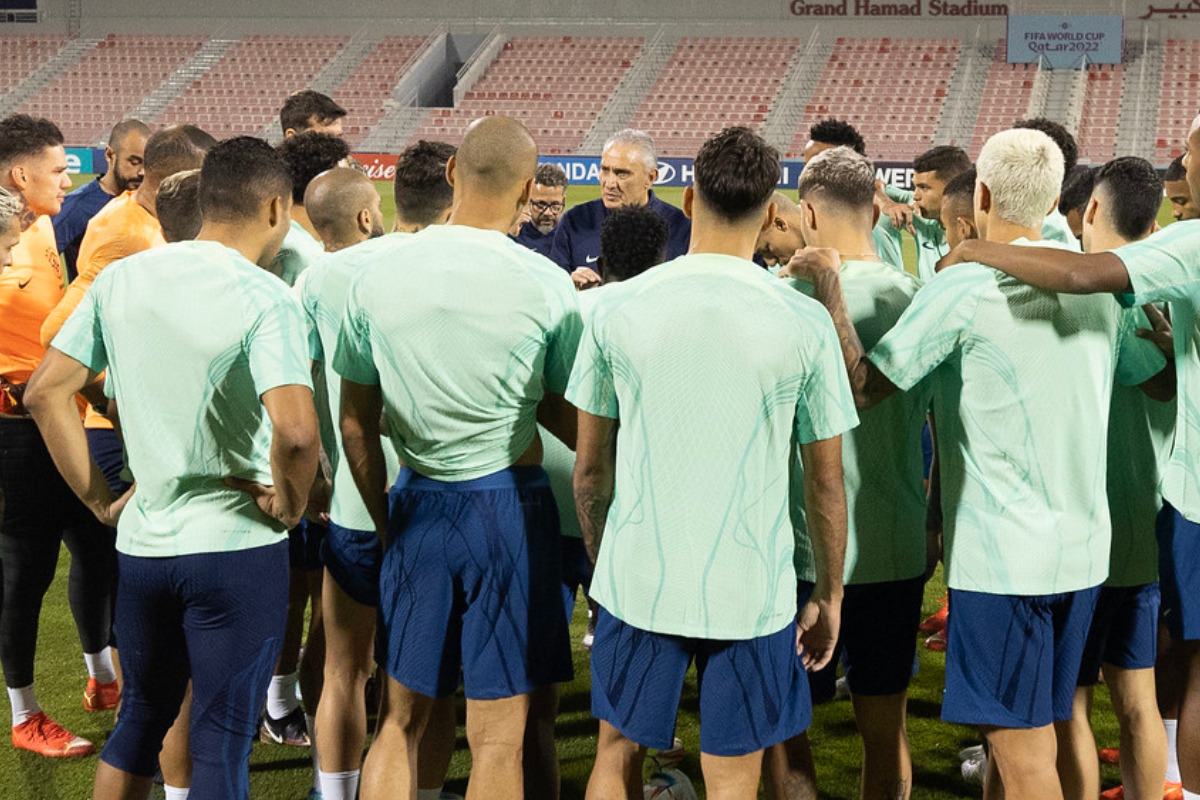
[{"x": 595, "y": 469}]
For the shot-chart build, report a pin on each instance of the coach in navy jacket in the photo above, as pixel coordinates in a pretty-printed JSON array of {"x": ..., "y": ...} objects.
[{"x": 628, "y": 168}]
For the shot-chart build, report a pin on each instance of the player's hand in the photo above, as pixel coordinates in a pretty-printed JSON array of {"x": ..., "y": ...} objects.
[
  {"x": 585, "y": 278},
  {"x": 933, "y": 549},
  {"x": 810, "y": 261},
  {"x": 817, "y": 627},
  {"x": 111, "y": 513},
  {"x": 901, "y": 214},
  {"x": 266, "y": 499},
  {"x": 318, "y": 500},
  {"x": 959, "y": 255},
  {"x": 1160, "y": 332}
]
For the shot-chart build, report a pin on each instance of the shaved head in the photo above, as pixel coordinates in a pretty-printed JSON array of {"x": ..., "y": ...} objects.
[
  {"x": 496, "y": 158},
  {"x": 785, "y": 205},
  {"x": 335, "y": 200}
]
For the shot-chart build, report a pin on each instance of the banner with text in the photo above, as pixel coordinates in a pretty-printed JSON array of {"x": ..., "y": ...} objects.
[{"x": 1065, "y": 41}]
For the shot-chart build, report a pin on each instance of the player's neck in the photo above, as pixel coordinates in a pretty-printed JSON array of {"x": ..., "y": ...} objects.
[
  {"x": 300, "y": 217},
  {"x": 108, "y": 182},
  {"x": 1004, "y": 232},
  {"x": 488, "y": 216},
  {"x": 146, "y": 195},
  {"x": 851, "y": 246},
  {"x": 248, "y": 240},
  {"x": 1101, "y": 240},
  {"x": 724, "y": 240}
]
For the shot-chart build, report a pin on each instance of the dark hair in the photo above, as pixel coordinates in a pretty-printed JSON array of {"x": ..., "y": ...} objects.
[
  {"x": 736, "y": 173},
  {"x": 1077, "y": 190},
  {"x": 961, "y": 185},
  {"x": 1133, "y": 195},
  {"x": 1176, "y": 171},
  {"x": 309, "y": 154},
  {"x": 238, "y": 176},
  {"x": 945, "y": 161},
  {"x": 420, "y": 189},
  {"x": 175, "y": 149},
  {"x": 1061, "y": 136},
  {"x": 300, "y": 109},
  {"x": 550, "y": 175},
  {"x": 124, "y": 128},
  {"x": 839, "y": 134},
  {"x": 177, "y": 206},
  {"x": 22, "y": 136},
  {"x": 632, "y": 240}
]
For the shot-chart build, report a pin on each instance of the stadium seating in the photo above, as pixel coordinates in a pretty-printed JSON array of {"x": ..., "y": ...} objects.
[
  {"x": 100, "y": 89},
  {"x": 710, "y": 84},
  {"x": 1097, "y": 137},
  {"x": 1005, "y": 97},
  {"x": 243, "y": 92},
  {"x": 892, "y": 90},
  {"x": 556, "y": 85},
  {"x": 20, "y": 56},
  {"x": 365, "y": 91},
  {"x": 1177, "y": 107}
]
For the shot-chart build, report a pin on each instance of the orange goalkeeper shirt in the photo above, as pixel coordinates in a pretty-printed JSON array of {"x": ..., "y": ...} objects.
[{"x": 29, "y": 291}]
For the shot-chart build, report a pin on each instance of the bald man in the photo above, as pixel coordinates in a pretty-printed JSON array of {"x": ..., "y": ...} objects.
[
  {"x": 344, "y": 208},
  {"x": 470, "y": 572},
  {"x": 783, "y": 237}
]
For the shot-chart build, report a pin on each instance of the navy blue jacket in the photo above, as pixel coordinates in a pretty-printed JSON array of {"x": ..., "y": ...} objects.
[
  {"x": 529, "y": 236},
  {"x": 577, "y": 237},
  {"x": 71, "y": 223}
]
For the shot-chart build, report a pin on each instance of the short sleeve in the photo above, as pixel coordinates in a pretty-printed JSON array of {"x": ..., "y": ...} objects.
[
  {"x": 81, "y": 336},
  {"x": 354, "y": 359},
  {"x": 825, "y": 403},
  {"x": 1138, "y": 360},
  {"x": 308, "y": 302},
  {"x": 931, "y": 328},
  {"x": 591, "y": 388},
  {"x": 897, "y": 194},
  {"x": 275, "y": 346},
  {"x": 566, "y": 327},
  {"x": 1164, "y": 267}
]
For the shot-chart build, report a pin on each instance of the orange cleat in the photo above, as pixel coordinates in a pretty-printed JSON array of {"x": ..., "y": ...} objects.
[
  {"x": 937, "y": 620},
  {"x": 1115, "y": 793},
  {"x": 937, "y": 642},
  {"x": 101, "y": 696},
  {"x": 1172, "y": 791},
  {"x": 1110, "y": 755},
  {"x": 42, "y": 735}
]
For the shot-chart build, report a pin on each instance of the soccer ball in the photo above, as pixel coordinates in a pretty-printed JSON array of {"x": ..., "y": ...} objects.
[{"x": 669, "y": 784}]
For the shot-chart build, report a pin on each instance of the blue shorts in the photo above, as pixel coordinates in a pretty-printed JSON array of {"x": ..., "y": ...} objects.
[
  {"x": 1124, "y": 631},
  {"x": 879, "y": 635},
  {"x": 352, "y": 559},
  {"x": 1013, "y": 661},
  {"x": 753, "y": 693},
  {"x": 304, "y": 545},
  {"x": 216, "y": 619},
  {"x": 470, "y": 579},
  {"x": 1179, "y": 573},
  {"x": 106, "y": 450},
  {"x": 576, "y": 572}
]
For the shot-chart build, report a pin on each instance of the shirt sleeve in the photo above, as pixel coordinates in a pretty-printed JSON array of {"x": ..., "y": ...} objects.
[
  {"x": 563, "y": 336},
  {"x": 898, "y": 195},
  {"x": 1138, "y": 360},
  {"x": 81, "y": 337},
  {"x": 1164, "y": 267},
  {"x": 354, "y": 359},
  {"x": 275, "y": 346},
  {"x": 308, "y": 302},
  {"x": 931, "y": 328},
  {"x": 591, "y": 388},
  {"x": 825, "y": 405}
]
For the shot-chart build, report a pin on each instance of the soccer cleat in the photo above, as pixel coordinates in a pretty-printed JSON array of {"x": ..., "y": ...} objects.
[
  {"x": 841, "y": 689},
  {"x": 1110, "y": 755},
  {"x": 968, "y": 753},
  {"x": 974, "y": 770},
  {"x": 1172, "y": 791},
  {"x": 292, "y": 729},
  {"x": 42, "y": 735},
  {"x": 668, "y": 759},
  {"x": 314, "y": 794},
  {"x": 1115, "y": 793},
  {"x": 937, "y": 642},
  {"x": 937, "y": 620},
  {"x": 101, "y": 696}
]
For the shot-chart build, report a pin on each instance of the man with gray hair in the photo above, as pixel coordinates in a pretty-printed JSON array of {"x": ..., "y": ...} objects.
[
  {"x": 547, "y": 202},
  {"x": 628, "y": 168},
  {"x": 1027, "y": 530}
]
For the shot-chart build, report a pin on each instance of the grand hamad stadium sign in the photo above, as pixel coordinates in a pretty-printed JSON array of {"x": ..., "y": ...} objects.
[{"x": 866, "y": 8}]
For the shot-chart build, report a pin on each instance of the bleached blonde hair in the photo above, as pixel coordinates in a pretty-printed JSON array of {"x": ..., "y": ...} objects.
[
  {"x": 1023, "y": 169},
  {"x": 10, "y": 208}
]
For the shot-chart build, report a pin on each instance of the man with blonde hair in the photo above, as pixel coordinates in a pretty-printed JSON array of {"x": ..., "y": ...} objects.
[{"x": 1027, "y": 530}]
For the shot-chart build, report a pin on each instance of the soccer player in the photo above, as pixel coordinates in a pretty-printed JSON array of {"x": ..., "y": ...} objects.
[
  {"x": 1183, "y": 206},
  {"x": 1123, "y": 208},
  {"x": 932, "y": 170},
  {"x": 124, "y": 156},
  {"x": 352, "y": 551},
  {"x": 829, "y": 133},
  {"x": 40, "y": 513},
  {"x": 1075, "y": 197},
  {"x": 309, "y": 110},
  {"x": 222, "y": 438},
  {"x": 10, "y": 227},
  {"x": 958, "y": 209},
  {"x": 546, "y": 204},
  {"x": 784, "y": 237},
  {"x": 700, "y": 566},
  {"x": 1026, "y": 537},
  {"x": 307, "y": 155},
  {"x": 459, "y": 335},
  {"x": 1055, "y": 228},
  {"x": 1160, "y": 268},
  {"x": 177, "y": 206},
  {"x": 885, "y": 564},
  {"x": 628, "y": 169}
]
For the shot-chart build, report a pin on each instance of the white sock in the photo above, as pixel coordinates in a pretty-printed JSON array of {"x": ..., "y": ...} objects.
[
  {"x": 339, "y": 785},
  {"x": 175, "y": 793},
  {"x": 429, "y": 794},
  {"x": 281, "y": 696},
  {"x": 24, "y": 704},
  {"x": 316, "y": 757},
  {"x": 100, "y": 666},
  {"x": 1172, "y": 726},
  {"x": 1190, "y": 795}
]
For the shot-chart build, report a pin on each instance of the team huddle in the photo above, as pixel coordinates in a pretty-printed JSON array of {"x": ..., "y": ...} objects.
[{"x": 742, "y": 428}]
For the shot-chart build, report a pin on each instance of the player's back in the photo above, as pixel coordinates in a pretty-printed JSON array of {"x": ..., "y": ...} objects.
[
  {"x": 194, "y": 334},
  {"x": 464, "y": 330}
]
